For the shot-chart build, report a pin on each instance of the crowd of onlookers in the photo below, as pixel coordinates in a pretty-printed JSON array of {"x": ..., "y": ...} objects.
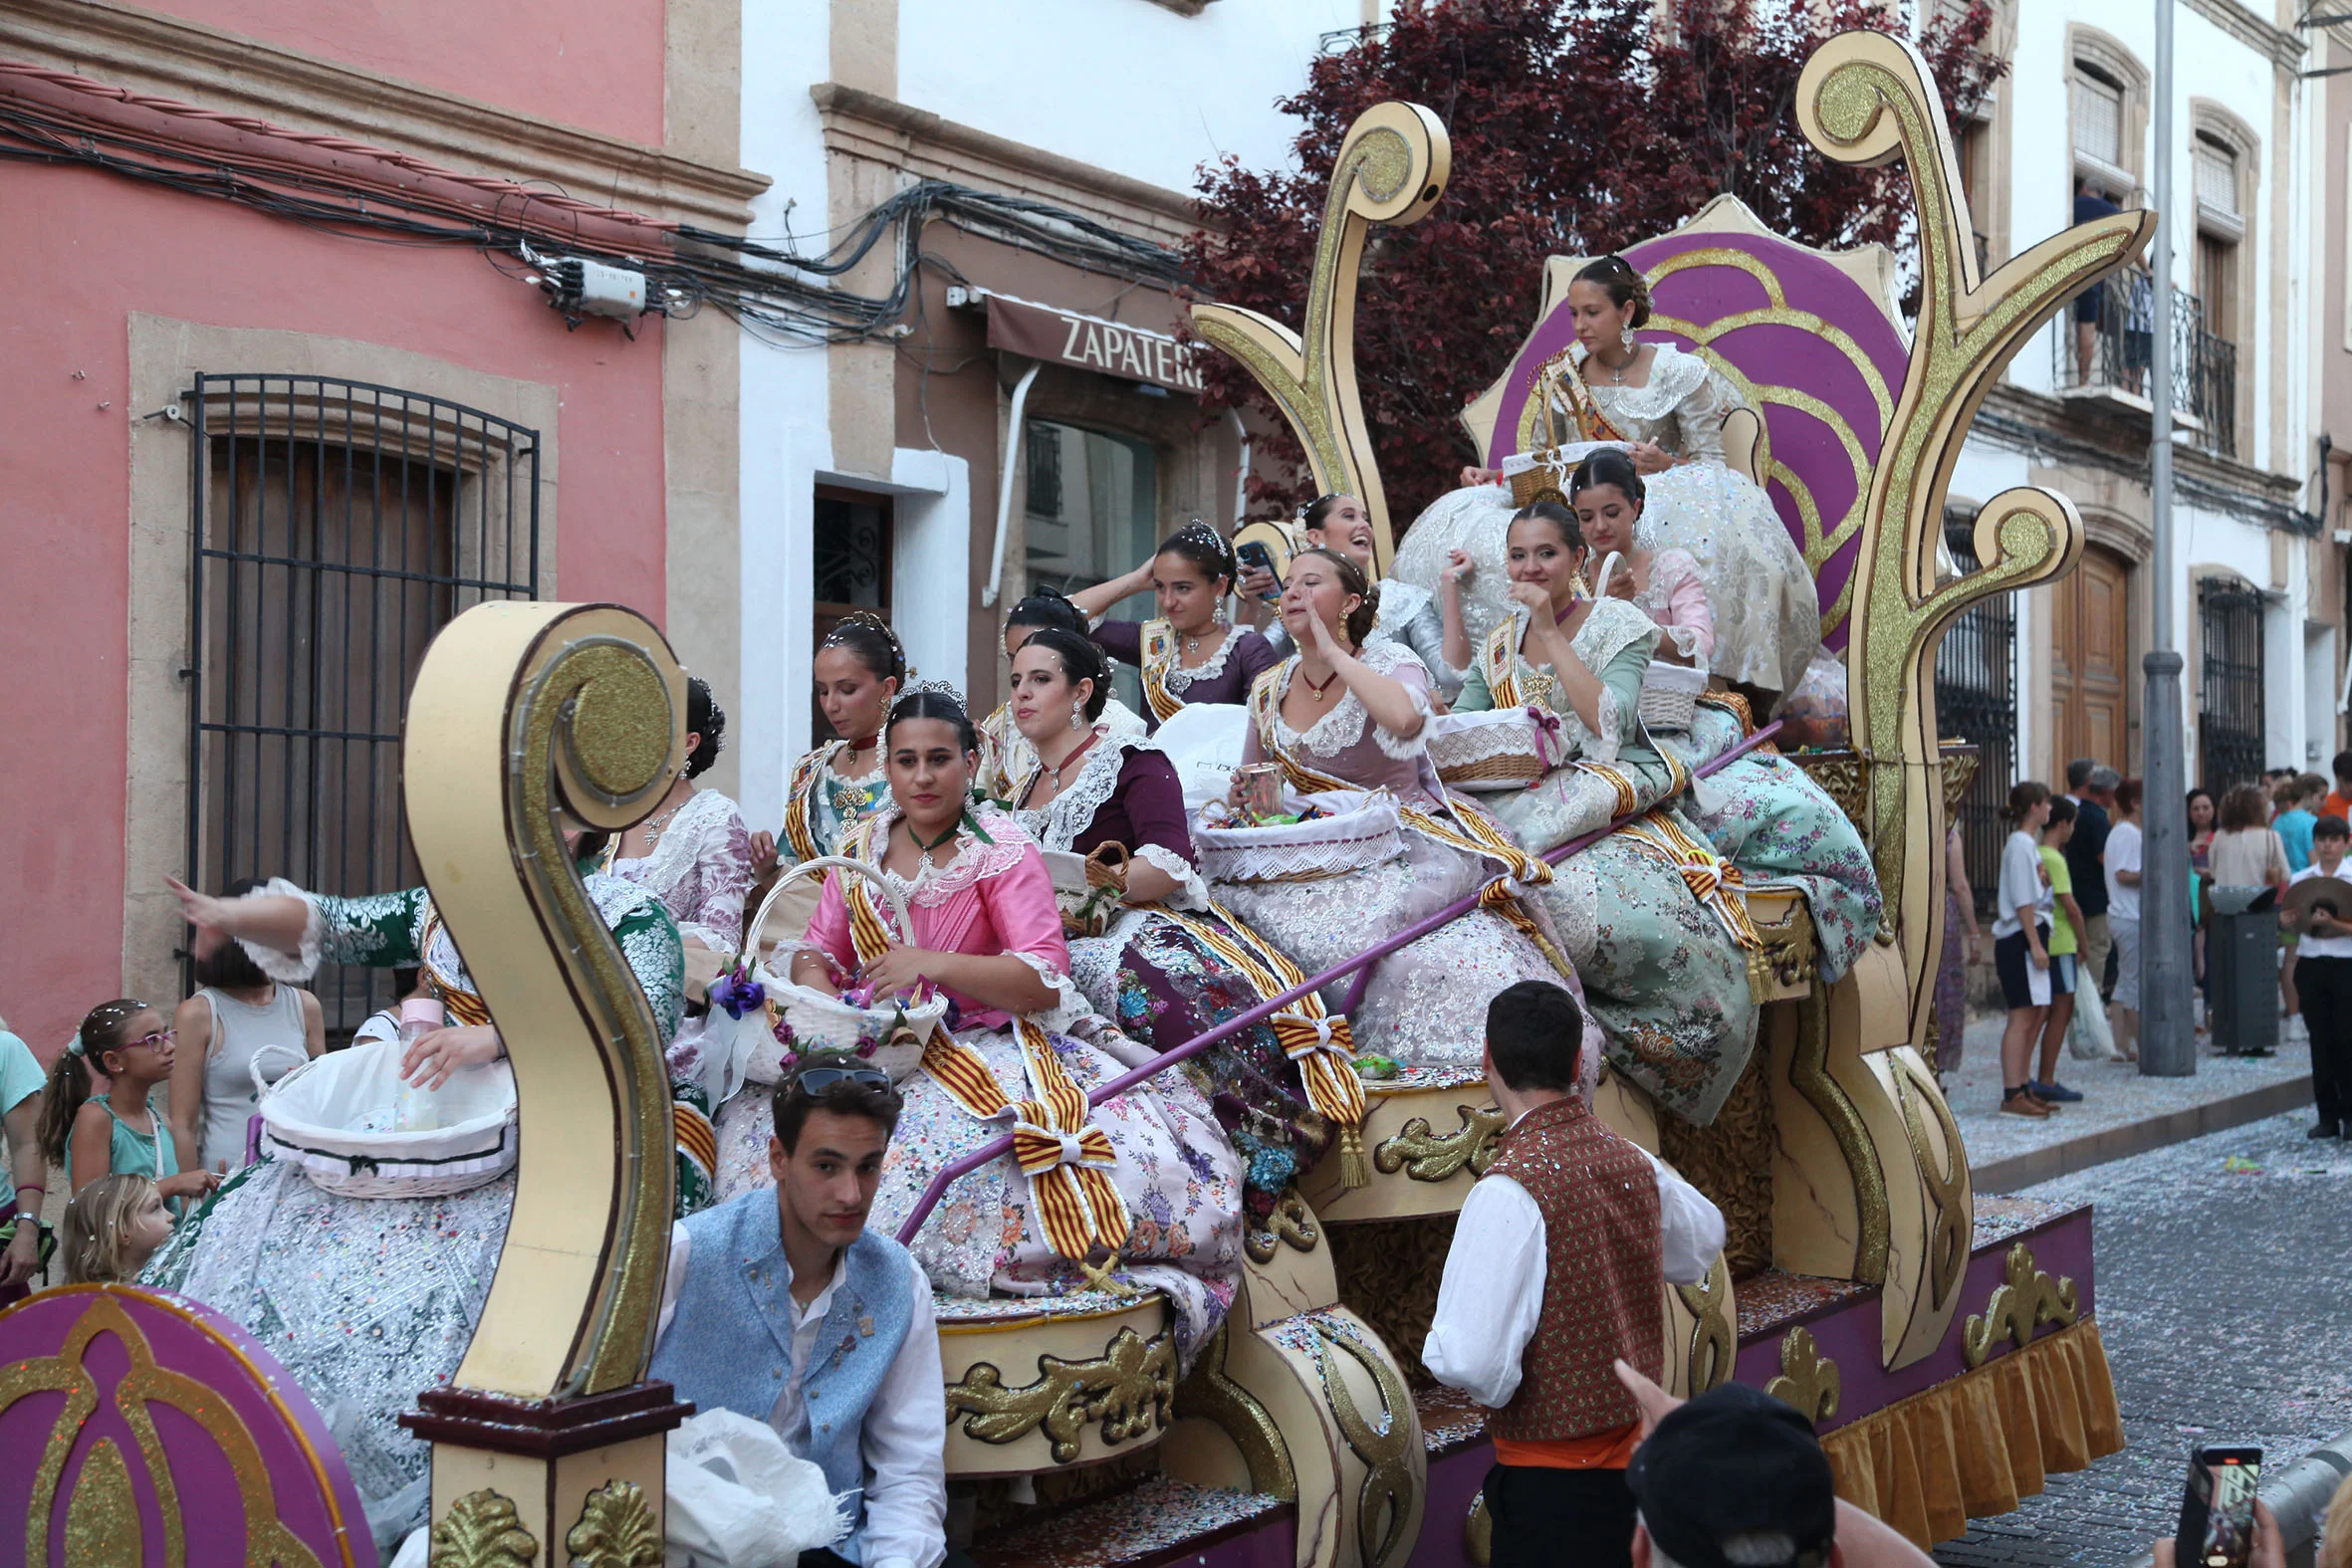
[{"x": 2066, "y": 934}]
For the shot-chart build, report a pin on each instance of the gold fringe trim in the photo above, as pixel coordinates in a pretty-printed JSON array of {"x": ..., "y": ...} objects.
[{"x": 1971, "y": 1446}]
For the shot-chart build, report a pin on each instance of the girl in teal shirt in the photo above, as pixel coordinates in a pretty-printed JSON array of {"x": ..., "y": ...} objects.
[{"x": 120, "y": 1132}]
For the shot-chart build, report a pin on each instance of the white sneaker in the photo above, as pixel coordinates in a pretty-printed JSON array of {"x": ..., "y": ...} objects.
[{"x": 2295, "y": 1032}]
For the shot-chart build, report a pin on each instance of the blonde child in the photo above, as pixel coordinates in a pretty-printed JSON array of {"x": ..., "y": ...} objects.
[
  {"x": 120, "y": 1132},
  {"x": 113, "y": 1226}
]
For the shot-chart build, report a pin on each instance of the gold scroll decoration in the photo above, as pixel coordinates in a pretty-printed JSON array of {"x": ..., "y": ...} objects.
[
  {"x": 1714, "y": 1343},
  {"x": 526, "y": 720},
  {"x": 481, "y": 1529},
  {"x": 1213, "y": 1395},
  {"x": 1391, "y": 169},
  {"x": 2024, "y": 1300},
  {"x": 1292, "y": 1223},
  {"x": 1130, "y": 1389},
  {"x": 1426, "y": 1155},
  {"x": 1868, "y": 98},
  {"x": 616, "y": 1529},
  {"x": 1808, "y": 1380},
  {"x": 103, "y": 1523},
  {"x": 1943, "y": 1179},
  {"x": 1384, "y": 1505}
]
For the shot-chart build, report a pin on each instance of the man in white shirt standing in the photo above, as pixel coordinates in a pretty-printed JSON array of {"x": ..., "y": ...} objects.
[
  {"x": 783, "y": 1307},
  {"x": 2123, "y": 915},
  {"x": 1558, "y": 1258},
  {"x": 2323, "y": 978}
]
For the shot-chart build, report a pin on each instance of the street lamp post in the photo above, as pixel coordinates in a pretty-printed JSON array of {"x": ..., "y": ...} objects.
[{"x": 2168, "y": 1046}]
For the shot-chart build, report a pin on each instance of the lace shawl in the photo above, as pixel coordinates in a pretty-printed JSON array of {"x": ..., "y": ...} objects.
[
  {"x": 700, "y": 869},
  {"x": 1343, "y": 726},
  {"x": 1058, "y": 824}
]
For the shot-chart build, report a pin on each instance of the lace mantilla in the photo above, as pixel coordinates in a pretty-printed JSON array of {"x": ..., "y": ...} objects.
[
  {"x": 974, "y": 858},
  {"x": 1059, "y": 822},
  {"x": 700, "y": 869},
  {"x": 1343, "y": 726},
  {"x": 1179, "y": 680},
  {"x": 1673, "y": 375}
]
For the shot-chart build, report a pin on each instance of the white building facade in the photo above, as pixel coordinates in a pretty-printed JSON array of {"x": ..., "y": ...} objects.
[{"x": 2258, "y": 606}]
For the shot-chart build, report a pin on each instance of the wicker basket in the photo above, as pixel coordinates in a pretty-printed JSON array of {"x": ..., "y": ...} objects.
[
  {"x": 332, "y": 1115},
  {"x": 822, "y": 1023},
  {"x": 1361, "y": 832},
  {"x": 1543, "y": 474},
  {"x": 1502, "y": 750},
  {"x": 1670, "y": 695},
  {"x": 1088, "y": 905}
]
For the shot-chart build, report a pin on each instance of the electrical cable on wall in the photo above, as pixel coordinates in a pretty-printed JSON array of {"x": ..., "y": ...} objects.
[{"x": 778, "y": 294}]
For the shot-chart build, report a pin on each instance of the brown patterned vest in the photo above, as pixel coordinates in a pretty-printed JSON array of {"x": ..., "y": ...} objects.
[{"x": 1601, "y": 1273}]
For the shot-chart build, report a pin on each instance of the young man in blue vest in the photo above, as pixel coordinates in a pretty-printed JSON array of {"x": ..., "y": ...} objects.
[{"x": 783, "y": 1307}]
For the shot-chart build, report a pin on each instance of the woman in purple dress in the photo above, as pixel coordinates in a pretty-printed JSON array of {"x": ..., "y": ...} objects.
[
  {"x": 1162, "y": 963},
  {"x": 1190, "y": 653}
]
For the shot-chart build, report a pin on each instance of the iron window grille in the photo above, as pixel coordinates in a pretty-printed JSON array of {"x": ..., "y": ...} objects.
[
  {"x": 336, "y": 526},
  {"x": 1976, "y": 702},
  {"x": 2229, "y": 717}
]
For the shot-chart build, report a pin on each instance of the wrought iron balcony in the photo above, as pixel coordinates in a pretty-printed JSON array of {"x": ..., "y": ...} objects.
[{"x": 2105, "y": 346}]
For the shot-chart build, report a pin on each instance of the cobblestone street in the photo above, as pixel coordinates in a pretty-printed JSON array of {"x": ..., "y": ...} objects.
[{"x": 2224, "y": 1280}]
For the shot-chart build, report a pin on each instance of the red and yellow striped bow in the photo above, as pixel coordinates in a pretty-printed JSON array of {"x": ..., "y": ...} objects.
[
  {"x": 1064, "y": 1155},
  {"x": 1713, "y": 881}
]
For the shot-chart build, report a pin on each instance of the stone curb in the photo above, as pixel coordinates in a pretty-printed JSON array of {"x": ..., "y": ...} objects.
[{"x": 2154, "y": 1132}]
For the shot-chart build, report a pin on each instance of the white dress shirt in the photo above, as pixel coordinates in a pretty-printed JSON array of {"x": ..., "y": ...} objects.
[
  {"x": 904, "y": 1442},
  {"x": 1492, "y": 1295}
]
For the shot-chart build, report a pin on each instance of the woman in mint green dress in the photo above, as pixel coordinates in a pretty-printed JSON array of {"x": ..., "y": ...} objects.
[
  {"x": 1665, "y": 974},
  {"x": 367, "y": 1301}
]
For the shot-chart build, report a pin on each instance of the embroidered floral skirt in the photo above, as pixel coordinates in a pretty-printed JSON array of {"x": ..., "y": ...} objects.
[
  {"x": 366, "y": 1300},
  {"x": 1165, "y": 985},
  {"x": 1426, "y": 1004},
  {"x": 1176, "y": 1172}
]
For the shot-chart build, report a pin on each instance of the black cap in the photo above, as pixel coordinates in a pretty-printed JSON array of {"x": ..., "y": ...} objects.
[{"x": 1734, "y": 1460}]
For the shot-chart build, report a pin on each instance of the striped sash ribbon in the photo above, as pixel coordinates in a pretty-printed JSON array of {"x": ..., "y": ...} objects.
[
  {"x": 465, "y": 1005},
  {"x": 800, "y": 801},
  {"x": 1713, "y": 881},
  {"x": 1159, "y": 652},
  {"x": 1321, "y": 1044}
]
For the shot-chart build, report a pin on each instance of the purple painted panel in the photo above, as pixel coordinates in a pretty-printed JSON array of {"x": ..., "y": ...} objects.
[
  {"x": 1770, "y": 355},
  {"x": 234, "y": 1431},
  {"x": 1848, "y": 1334}
]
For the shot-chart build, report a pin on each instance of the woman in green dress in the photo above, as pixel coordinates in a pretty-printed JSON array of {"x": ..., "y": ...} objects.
[
  {"x": 1665, "y": 969},
  {"x": 368, "y": 1299}
]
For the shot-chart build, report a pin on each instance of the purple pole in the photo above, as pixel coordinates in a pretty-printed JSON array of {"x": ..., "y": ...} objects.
[{"x": 1265, "y": 1010}]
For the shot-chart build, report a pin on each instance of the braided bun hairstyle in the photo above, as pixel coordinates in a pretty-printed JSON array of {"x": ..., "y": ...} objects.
[
  {"x": 704, "y": 717},
  {"x": 1608, "y": 466},
  {"x": 1361, "y": 619},
  {"x": 865, "y": 637},
  {"x": 926, "y": 702},
  {"x": 1623, "y": 283},
  {"x": 1202, "y": 547},
  {"x": 1080, "y": 659}
]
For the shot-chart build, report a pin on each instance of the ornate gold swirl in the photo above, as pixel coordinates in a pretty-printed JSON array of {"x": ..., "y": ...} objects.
[
  {"x": 481, "y": 1529},
  {"x": 1808, "y": 1073},
  {"x": 2025, "y": 1299},
  {"x": 1217, "y": 1398},
  {"x": 1291, "y": 1224},
  {"x": 1391, "y": 171},
  {"x": 527, "y": 720},
  {"x": 1128, "y": 1389},
  {"x": 1714, "y": 1343},
  {"x": 616, "y": 1529},
  {"x": 1808, "y": 1380},
  {"x": 1384, "y": 1446},
  {"x": 1424, "y": 1156},
  {"x": 1951, "y": 1220}
]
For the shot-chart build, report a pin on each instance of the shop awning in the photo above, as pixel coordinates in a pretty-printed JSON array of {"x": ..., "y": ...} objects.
[{"x": 1088, "y": 343}]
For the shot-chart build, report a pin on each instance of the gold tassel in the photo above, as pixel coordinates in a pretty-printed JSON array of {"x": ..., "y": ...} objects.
[{"x": 1354, "y": 1169}]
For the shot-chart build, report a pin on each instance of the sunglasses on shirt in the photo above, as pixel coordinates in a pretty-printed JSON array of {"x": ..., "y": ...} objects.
[{"x": 816, "y": 1080}]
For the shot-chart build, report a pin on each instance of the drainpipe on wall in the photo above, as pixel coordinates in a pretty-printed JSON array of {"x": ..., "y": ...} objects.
[{"x": 995, "y": 561}]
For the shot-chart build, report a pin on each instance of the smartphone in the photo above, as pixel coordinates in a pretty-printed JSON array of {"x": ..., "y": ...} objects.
[
  {"x": 1253, "y": 552},
  {"x": 2218, "y": 1506}
]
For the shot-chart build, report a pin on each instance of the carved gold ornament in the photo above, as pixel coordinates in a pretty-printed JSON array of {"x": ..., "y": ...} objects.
[
  {"x": 1808, "y": 1380},
  {"x": 1945, "y": 1182},
  {"x": 1384, "y": 1507},
  {"x": 1291, "y": 1224},
  {"x": 102, "y": 1515},
  {"x": 1390, "y": 171},
  {"x": 1714, "y": 1345},
  {"x": 2025, "y": 1299},
  {"x": 1213, "y": 1396},
  {"x": 481, "y": 1529},
  {"x": 528, "y": 719},
  {"x": 616, "y": 1529},
  {"x": 1424, "y": 1156},
  {"x": 1130, "y": 1389}
]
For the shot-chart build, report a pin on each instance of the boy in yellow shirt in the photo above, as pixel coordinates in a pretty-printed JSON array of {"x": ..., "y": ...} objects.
[{"x": 2066, "y": 928}]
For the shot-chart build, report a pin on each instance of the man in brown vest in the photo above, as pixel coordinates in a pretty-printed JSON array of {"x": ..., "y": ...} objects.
[{"x": 1558, "y": 1260}]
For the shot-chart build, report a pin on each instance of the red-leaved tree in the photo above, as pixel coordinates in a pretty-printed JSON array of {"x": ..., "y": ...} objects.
[{"x": 1578, "y": 128}]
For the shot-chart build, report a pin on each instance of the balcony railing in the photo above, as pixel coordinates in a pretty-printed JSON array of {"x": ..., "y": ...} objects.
[{"x": 2106, "y": 345}]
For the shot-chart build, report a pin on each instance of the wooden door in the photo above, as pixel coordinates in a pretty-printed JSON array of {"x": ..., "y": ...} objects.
[{"x": 2090, "y": 665}]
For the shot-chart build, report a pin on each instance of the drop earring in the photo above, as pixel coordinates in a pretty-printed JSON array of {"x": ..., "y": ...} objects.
[
  {"x": 1077, "y": 716},
  {"x": 1625, "y": 337}
]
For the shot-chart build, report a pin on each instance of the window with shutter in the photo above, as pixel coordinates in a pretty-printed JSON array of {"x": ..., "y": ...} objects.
[
  {"x": 2216, "y": 178},
  {"x": 2098, "y": 116}
]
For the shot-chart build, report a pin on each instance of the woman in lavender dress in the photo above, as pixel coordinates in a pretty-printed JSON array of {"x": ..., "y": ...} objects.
[
  {"x": 1155, "y": 968},
  {"x": 1347, "y": 714},
  {"x": 695, "y": 856},
  {"x": 1191, "y": 653}
]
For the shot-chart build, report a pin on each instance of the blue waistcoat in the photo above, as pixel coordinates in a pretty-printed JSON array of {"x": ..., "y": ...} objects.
[{"x": 730, "y": 1340}]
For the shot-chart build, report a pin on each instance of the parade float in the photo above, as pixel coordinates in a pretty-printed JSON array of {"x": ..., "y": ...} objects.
[{"x": 1944, "y": 1344}]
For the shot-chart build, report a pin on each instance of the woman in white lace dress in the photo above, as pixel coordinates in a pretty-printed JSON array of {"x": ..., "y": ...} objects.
[
  {"x": 1669, "y": 408},
  {"x": 1190, "y": 652},
  {"x": 1350, "y": 714},
  {"x": 1422, "y": 620}
]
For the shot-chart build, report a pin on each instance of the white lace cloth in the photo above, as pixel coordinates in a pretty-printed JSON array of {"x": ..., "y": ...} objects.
[
  {"x": 700, "y": 869},
  {"x": 1343, "y": 726},
  {"x": 1060, "y": 823}
]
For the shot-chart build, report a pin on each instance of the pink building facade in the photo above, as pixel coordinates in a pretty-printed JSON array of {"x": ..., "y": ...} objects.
[{"x": 264, "y": 433}]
